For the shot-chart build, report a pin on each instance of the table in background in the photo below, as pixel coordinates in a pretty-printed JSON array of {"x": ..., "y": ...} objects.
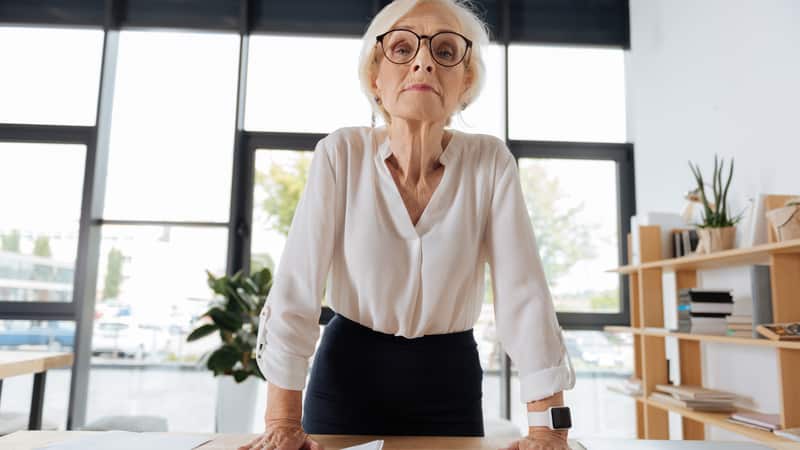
[
  {"x": 13, "y": 363},
  {"x": 29, "y": 440}
]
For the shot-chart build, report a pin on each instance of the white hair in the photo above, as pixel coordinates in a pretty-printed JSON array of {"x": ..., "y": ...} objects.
[{"x": 471, "y": 26}]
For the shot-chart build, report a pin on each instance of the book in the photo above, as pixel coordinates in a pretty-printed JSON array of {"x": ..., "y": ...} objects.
[
  {"x": 749, "y": 425},
  {"x": 766, "y": 421},
  {"x": 684, "y": 241},
  {"x": 693, "y": 405},
  {"x": 740, "y": 319},
  {"x": 707, "y": 295},
  {"x": 792, "y": 434},
  {"x": 740, "y": 333},
  {"x": 711, "y": 307},
  {"x": 692, "y": 392}
]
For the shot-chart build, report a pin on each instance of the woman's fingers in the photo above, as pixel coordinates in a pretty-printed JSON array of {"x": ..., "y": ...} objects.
[
  {"x": 258, "y": 443},
  {"x": 513, "y": 446},
  {"x": 311, "y": 444},
  {"x": 250, "y": 444}
]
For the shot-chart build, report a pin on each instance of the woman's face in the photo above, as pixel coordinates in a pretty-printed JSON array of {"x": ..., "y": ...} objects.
[{"x": 391, "y": 81}]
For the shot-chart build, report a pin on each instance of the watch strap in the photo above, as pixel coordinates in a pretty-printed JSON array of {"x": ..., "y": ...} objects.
[{"x": 539, "y": 418}]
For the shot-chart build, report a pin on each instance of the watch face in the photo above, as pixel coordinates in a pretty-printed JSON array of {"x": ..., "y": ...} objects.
[{"x": 561, "y": 417}]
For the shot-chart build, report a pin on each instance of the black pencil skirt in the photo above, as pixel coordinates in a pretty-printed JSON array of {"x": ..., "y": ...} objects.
[{"x": 366, "y": 382}]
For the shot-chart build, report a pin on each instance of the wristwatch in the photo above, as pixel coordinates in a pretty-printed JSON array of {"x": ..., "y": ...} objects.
[{"x": 555, "y": 418}]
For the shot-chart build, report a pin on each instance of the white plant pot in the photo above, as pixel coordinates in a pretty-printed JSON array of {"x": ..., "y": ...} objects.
[{"x": 236, "y": 404}]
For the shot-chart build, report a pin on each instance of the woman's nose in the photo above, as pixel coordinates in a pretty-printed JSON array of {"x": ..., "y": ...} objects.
[{"x": 423, "y": 58}]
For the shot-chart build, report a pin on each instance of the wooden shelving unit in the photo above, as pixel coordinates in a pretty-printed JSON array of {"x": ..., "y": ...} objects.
[{"x": 649, "y": 335}]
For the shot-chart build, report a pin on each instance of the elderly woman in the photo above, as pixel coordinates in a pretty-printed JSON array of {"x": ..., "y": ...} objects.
[{"x": 405, "y": 216}]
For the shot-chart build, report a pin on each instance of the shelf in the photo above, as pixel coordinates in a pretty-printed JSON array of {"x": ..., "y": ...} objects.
[
  {"x": 619, "y": 329},
  {"x": 795, "y": 345},
  {"x": 719, "y": 420},
  {"x": 758, "y": 254}
]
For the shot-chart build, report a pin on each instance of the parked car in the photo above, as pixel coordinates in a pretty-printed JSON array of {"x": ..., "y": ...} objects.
[
  {"x": 122, "y": 336},
  {"x": 53, "y": 335}
]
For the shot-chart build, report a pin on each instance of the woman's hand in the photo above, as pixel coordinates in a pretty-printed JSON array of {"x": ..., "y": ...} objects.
[
  {"x": 283, "y": 434},
  {"x": 541, "y": 440}
]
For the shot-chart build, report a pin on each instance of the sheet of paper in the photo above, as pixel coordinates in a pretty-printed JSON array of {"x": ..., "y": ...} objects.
[
  {"x": 128, "y": 440},
  {"x": 373, "y": 445}
]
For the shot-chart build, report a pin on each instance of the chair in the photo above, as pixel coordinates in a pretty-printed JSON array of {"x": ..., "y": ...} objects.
[{"x": 16, "y": 421}]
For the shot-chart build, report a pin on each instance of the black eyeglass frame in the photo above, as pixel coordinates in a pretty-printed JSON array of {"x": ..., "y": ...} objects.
[{"x": 379, "y": 39}]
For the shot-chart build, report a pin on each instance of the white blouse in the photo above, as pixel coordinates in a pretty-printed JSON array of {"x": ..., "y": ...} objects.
[{"x": 412, "y": 280}]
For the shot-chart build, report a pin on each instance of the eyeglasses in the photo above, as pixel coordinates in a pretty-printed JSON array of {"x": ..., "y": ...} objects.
[{"x": 447, "y": 48}]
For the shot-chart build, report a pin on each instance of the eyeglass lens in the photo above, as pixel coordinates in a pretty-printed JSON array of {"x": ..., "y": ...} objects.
[{"x": 400, "y": 46}]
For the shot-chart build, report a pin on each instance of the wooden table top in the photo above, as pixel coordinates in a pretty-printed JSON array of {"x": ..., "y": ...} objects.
[
  {"x": 29, "y": 440},
  {"x": 13, "y": 362}
]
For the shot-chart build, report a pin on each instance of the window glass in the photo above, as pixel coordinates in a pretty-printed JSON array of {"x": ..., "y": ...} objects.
[
  {"x": 172, "y": 127},
  {"x": 600, "y": 360},
  {"x": 40, "y": 211},
  {"x": 151, "y": 293},
  {"x": 561, "y": 93},
  {"x": 486, "y": 114},
  {"x": 49, "y": 75},
  {"x": 574, "y": 212},
  {"x": 304, "y": 84}
]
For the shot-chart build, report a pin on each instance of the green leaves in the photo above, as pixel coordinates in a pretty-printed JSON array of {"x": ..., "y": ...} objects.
[
  {"x": 235, "y": 315},
  {"x": 203, "y": 331},
  {"x": 225, "y": 320},
  {"x": 715, "y": 216},
  {"x": 223, "y": 359}
]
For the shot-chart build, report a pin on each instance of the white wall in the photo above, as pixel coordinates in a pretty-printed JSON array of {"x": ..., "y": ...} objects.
[{"x": 717, "y": 76}]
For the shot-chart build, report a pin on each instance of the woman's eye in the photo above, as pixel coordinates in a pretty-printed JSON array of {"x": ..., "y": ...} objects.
[{"x": 445, "y": 54}]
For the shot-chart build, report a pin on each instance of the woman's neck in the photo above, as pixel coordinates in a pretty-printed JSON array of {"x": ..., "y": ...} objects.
[{"x": 416, "y": 147}]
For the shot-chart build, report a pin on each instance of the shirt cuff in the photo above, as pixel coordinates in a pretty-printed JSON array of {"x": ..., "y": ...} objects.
[
  {"x": 281, "y": 369},
  {"x": 546, "y": 382}
]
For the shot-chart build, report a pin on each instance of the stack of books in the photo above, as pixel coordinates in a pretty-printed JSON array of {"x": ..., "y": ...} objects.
[
  {"x": 704, "y": 311},
  {"x": 696, "y": 398},
  {"x": 765, "y": 422},
  {"x": 740, "y": 325}
]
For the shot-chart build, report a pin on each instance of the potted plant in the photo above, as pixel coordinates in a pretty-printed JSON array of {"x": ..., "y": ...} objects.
[
  {"x": 234, "y": 315},
  {"x": 718, "y": 229}
]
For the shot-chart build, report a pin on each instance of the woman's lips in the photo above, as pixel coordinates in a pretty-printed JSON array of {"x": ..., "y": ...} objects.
[{"x": 420, "y": 87}]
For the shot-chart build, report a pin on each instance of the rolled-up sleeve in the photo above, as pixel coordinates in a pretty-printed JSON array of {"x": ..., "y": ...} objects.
[
  {"x": 289, "y": 322},
  {"x": 525, "y": 317}
]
